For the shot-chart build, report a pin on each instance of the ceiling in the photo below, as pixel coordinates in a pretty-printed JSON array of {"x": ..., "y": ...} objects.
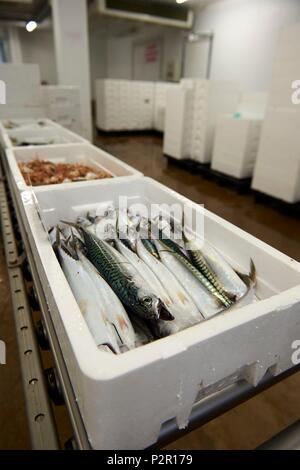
[{"x": 22, "y": 10}]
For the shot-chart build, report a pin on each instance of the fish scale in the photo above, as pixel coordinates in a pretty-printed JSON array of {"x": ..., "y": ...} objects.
[
  {"x": 200, "y": 263},
  {"x": 149, "y": 245},
  {"x": 199, "y": 275},
  {"x": 110, "y": 269},
  {"x": 128, "y": 287}
]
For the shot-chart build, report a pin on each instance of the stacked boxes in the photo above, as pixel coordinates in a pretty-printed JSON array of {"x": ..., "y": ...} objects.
[
  {"x": 62, "y": 104},
  {"x": 237, "y": 137},
  {"x": 124, "y": 105},
  {"x": 235, "y": 146},
  {"x": 23, "y": 95},
  {"x": 160, "y": 103},
  {"x": 205, "y": 101},
  {"x": 211, "y": 99},
  {"x": 277, "y": 169},
  {"x": 36, "y": 136},
  {"x": 253, "y": 105},
  {"x": 178, "y": 123}
]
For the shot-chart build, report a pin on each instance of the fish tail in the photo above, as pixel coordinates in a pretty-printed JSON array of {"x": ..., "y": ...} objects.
[
  {"x": 253, "y": 274},
  {"x": 251, "y": 278}
]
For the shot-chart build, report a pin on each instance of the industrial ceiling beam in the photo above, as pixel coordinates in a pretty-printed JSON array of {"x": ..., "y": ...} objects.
[{"x": 18, "y": 11}]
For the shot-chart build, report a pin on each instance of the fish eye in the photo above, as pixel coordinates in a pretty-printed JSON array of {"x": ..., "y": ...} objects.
[{"x": 147, "y": 300}]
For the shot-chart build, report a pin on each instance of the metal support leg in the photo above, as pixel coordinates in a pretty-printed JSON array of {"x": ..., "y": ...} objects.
[{"x": 40, "y": 417}]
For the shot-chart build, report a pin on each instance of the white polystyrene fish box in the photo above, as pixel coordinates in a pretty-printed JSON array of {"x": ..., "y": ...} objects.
[
  {"x": 277, "y": 167},
  {"x": 21, "y": 124},
  {"x": 125, "y": 399},
  {"x": 85, "y": 154},
  {"x": 33, "y": 137},
  {"x": 236, "y": 146},
  {"x": 60, "y": 95}
]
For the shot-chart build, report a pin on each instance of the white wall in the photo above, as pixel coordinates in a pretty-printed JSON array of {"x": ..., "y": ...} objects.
[
  {"x": 246, "y": 35},
  {"x": 38, "y": 48},
  {"x": 120, "y": 51},
  {"x": 98, "y": 57},
  {"x": 15, "y": 49},
  {"x": 173, "y": 44}
]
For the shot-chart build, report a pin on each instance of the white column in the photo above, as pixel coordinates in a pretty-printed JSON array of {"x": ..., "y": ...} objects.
[
  {"x": 15, "y": 49},
  {"x": 70, "y": 21}
]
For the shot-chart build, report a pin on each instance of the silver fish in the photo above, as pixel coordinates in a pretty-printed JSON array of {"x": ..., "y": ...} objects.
[
  {"x": 131, "y": 291},
  {"x": 207, "y": 304},
  {"x": 183, "y": 308},
  {"x": 88, "y": 300}
]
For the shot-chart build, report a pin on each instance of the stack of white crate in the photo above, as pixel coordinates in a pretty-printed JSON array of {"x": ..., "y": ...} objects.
[
  {"x": 62, "y": 105},
  {"x": 237, "y": 137},
  {"x": 211, "y": 99},
  {"x": 277, "y": 169},
  {"x": 206, "y": 100},
  {"x": 178, "y": 123},
  {"x": 124, "y": 105},
  {"x": 23, "y": 94},
  {"x": 160, "y": 103}
]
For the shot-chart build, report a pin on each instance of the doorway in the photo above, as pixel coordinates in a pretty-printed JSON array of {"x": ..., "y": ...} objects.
[
  {"x": 147, "y": 60},
  {"x": 197, "y": 57}
]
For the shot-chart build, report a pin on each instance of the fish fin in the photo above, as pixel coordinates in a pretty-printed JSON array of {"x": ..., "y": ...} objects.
[
  {"x": 251, "y": 278},
  {"x": 90, "y": 218},
  {"x": 109, "y": 346},
  {"x": 68, "y": 252},
  {"x": 166, "y": 251},
  {"x": 57, "y": 238},
  {"x": 72, "y": 241},
  {"x": 156, "y": 255},
  {"x": 81, "y": 244},
  {"x": 253, "y": 274},
  {"x": 117, "y": 225},
  {"x": 184, "y": 236},
  {"x": 117, "y": 333},
  {"x": 153, "y": 252}
]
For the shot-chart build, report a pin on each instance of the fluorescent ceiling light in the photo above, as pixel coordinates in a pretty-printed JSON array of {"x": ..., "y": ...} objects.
[
  {"x": 31, "y": 26},
  {"x": 181, "y": 1}
]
